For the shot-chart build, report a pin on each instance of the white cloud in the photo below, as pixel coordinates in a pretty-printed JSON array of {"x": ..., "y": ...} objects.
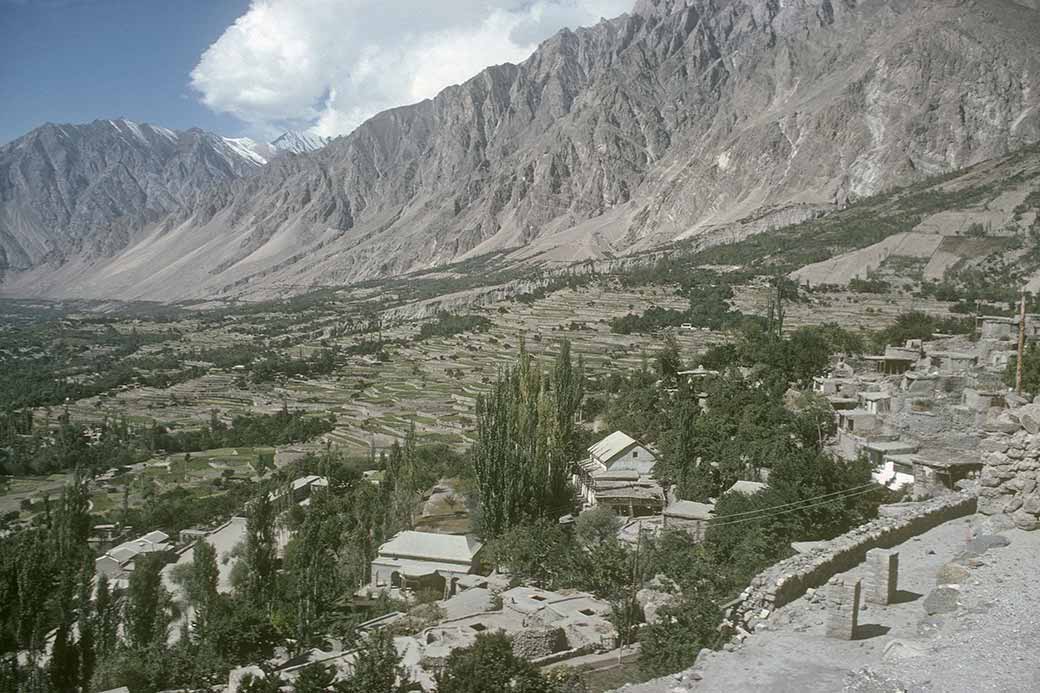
[{"x": 327, "y": 65}]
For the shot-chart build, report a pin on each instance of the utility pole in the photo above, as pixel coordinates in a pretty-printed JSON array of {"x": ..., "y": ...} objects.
[{"x": 1021, "y": 341}]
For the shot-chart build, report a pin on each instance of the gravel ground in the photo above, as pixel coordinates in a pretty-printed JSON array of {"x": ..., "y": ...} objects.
[{"x": 988, "y": 641}]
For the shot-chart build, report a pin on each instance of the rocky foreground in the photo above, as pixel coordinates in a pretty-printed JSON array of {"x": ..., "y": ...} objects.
[{"x": 965, "y": 620}]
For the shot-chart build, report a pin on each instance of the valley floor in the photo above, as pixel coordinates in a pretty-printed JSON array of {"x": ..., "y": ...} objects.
[{"x": 991, "y": 642}]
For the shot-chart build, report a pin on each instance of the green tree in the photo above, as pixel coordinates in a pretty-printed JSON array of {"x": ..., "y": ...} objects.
[
  {"x": 376, "y": 668},
  {"x": 596, "y": 526},
  {"x": 674, "y": 639},
  {"x": 490, "y": 665},
  {"x": 146, "y": 618},
  {"x": 202, "y": 586},
  {"x": 259, "y": 559},
  {"x": 520, "y": 458},
  {"x": 669, "y": 360}
]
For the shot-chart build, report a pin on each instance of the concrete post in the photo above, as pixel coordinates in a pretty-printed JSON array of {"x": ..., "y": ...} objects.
[
  {"x": 843, "y": 605},
  {"x": 883, "y": 582}
]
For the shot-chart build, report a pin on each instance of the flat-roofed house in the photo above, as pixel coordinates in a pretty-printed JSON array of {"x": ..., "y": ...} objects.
[
  {"x": 690, "y": 516},
  {"x": 876, "y": 403},
  {"x": 418, "y": 560}
]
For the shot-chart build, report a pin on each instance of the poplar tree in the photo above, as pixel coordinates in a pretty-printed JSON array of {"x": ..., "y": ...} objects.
[
  {"x": 203, "y": 587},
  {"x": 260, "y": 551},
  {"x": 522, "y": 456}
]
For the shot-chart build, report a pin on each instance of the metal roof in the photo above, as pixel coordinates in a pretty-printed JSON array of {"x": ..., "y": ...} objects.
[
  {"x": 431, "y": 547},
  {"x": 612, "y": 446}
]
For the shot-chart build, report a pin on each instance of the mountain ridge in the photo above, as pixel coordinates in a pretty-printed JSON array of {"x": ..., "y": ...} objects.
[{"x": 697, "y": 120}]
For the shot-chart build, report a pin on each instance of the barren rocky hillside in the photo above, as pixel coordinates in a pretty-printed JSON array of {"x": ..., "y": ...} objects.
[{"x": 684, "y": 118}]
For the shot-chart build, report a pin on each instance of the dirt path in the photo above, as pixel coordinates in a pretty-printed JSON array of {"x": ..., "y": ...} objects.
[{"x": 991, "y": 642}]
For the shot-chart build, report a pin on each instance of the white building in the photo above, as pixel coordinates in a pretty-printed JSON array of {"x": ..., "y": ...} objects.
[
  {"x": 619, "y": 472},
  {"x": 423, "y": 559},
  {"x": 118, "y": 561}
]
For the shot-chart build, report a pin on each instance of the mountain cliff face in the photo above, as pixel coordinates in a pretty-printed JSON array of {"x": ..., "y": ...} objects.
[
  {"x": 81, "y": 191},
  {"x": 696, "y": 119}
]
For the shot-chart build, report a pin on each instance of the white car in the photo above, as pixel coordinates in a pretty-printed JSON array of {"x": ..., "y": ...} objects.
[{"x": 686, "y": 326}]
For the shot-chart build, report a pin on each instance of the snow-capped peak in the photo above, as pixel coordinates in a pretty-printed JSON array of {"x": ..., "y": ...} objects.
[
  {"x": 261, "y": 153},
  {"x": 257, "y": 152},
  {"x": 299, "y": 142}
]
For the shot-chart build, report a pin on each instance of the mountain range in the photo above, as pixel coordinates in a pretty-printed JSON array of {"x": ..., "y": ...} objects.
[{"x": 699, "y": 120}]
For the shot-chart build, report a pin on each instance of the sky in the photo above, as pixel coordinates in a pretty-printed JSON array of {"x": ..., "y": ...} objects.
[{"x": 257, "y": 67}]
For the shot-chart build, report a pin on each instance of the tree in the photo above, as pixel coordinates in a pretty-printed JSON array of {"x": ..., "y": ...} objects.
[
  {"x": 674, "y": 639},
  {"x": 520, "y": 458},
  {"x": 490, "y": 665},
  {"x": 376, "y": 668},
  {"x": 259, "y": 559},
  {"x": 596, "y": 525},
  {"x": 146, "y": 618},
  {"x": 669, "y": 360},
  {"x": 202, "y": 586},
  {"x": 106, "y": 618}
]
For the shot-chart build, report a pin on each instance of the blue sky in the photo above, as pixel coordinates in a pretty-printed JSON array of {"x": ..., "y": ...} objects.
[
  {"x": 71, "y": 61},
  {"x": 257, "y": 67}
]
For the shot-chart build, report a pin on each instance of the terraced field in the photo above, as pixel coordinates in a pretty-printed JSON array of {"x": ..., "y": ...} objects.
[{"x": 435, "y": 383}]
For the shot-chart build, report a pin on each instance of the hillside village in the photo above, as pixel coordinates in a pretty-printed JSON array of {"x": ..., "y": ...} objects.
[{"x": 930, "y": 416}]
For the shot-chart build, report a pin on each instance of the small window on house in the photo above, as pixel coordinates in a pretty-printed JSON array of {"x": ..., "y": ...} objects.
[
  {"x": 479, "y": 627},
  {"x": 635, "y": 454}
]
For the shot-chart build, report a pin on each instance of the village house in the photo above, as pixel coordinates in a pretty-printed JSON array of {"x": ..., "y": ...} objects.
[
  {"x": 425, "y": 561},
  {"x": 896, "y": 360},
  {"x": 876, "y": 403},
  {"x": 953, "y": 362},
  {"x": 689, "y": 516},
  {"x": 1005, "y": 328},
  {"x": 895, "y": 469},
  {"x": 618, "y": 474},
  {"x": 936, "y": 475},
  {"x": 117, "y": 562}
]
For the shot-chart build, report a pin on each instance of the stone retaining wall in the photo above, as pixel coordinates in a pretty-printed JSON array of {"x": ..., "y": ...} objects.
[
  {"x": 1009, "y": 480},
  {"x": 789, "y": 579}
]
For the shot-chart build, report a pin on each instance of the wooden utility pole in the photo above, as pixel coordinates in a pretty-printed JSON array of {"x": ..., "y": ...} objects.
[{"x": 1021, "y": 341}]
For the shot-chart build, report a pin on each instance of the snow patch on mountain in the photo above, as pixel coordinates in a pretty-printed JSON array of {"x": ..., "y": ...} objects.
[
  {"x": 299, "y": 142},
  {"x": 250, "y": 150}
]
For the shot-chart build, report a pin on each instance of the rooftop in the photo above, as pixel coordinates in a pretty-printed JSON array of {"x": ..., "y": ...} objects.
[
  {"x": 427, "y": 546},
  {"x": 690, "y": 510},
  {"x": 612, "y": 446},
  {"x": 748, "y": 488}
]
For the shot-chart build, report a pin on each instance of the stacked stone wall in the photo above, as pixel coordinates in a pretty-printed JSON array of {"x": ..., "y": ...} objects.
[
  {"x": 789, "y": 579},
  {"x": 1008, "y": 483}
]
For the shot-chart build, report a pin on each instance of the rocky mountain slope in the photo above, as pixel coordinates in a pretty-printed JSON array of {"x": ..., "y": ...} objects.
[
  {"x": 82, "y": 191},
  {"x": 705, "y": 119}
]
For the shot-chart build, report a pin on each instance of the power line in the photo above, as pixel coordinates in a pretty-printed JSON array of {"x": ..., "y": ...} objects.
[
  {"x": 798, "y": 502},
  {"x": 711, "y": 523}
]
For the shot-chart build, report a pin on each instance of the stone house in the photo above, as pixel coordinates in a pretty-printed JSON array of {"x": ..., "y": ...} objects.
[{"x": 690, "y": 516}]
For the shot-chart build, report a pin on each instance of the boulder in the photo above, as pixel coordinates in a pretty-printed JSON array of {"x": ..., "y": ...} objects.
[
  {"x": 983, "y": 543},
  {"x": 942, "y": 600},
  {"x": 952, "y": 574},
  {"x": 1032, "y": 504},
  {"x": 1024, "y": 520},
  {"x": 1029, "y": 417}
]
